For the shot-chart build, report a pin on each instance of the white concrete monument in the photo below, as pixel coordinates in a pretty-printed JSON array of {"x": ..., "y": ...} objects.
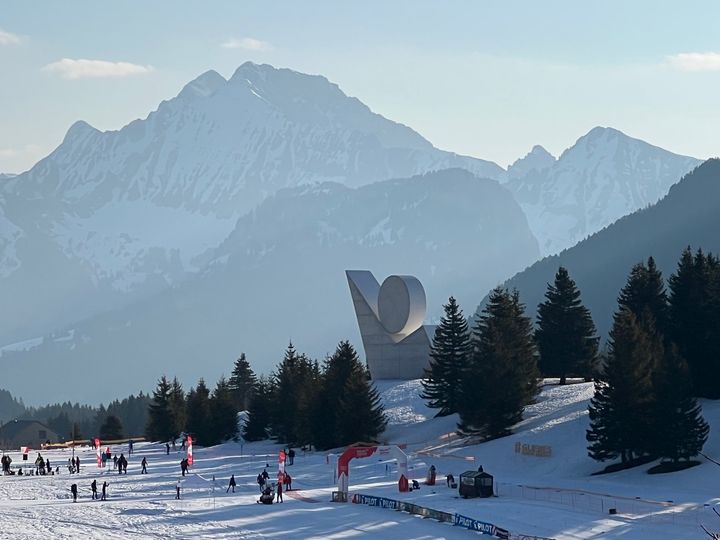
[{"x": 390, "y": 317}]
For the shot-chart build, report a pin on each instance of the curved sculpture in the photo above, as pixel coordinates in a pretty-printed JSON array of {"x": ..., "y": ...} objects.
[{"x": 390, "y": 317}]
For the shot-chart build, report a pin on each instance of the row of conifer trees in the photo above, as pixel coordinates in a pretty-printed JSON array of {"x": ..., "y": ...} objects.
[
  {"x": 301, "y": 403},
  {"x": 663, "y": 351}
]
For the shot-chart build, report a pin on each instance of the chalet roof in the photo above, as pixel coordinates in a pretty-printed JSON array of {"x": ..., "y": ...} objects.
[{"x": 13, "y": 427}]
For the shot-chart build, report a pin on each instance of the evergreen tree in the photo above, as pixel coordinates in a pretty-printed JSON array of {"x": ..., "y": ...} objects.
[
  {"x": 695, "y": 319},
  {"x": 177, "y": 406},
  {"x": 223, "y": 415},
  {"x": 335, "y": 424},
  {"x": 307, "y": 404},
  {"x": 111, "y": 429},
  {"x": 449, "y": 356},
  {"x": 61, "y": 425},
  {"x": 162, "y": 425},
  {"x": 259, "y": 412},
  {"x": 680, "y": 430},
  {"x": 645, "y": 296},
  {"x": 565, "y": 335},
  {"x": 199, "y": 418},
  {"x": 242, "y": 383},
  {"x": 290, "y": 383},
  {"x": 621, "y": 410},
  {"x": 361, "y": 417},
  {"x": 502, "y": 376}
]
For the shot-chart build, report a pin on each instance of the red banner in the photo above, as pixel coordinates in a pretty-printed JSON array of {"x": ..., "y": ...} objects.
[
  {"x": 97, "y": 452},
  {"x": 189, "y": 451}
]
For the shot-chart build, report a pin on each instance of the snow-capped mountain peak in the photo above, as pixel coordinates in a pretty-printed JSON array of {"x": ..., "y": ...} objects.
[
  {"x": 537, "y": 159},
  {"x": 203, "y": 86},
  {"x": 604, "y": 176},
  {"x": 125, "y": 213}
]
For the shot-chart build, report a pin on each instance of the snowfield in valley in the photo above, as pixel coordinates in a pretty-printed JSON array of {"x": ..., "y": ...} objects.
[{"x": 552, "y": 496}]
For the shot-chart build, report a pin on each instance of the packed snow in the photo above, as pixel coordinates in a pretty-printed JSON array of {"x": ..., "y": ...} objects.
[{"x": 553, "y": 497}]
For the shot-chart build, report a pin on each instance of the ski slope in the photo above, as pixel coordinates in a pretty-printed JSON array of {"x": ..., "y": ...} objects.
[{"x": 545, "y": 496}]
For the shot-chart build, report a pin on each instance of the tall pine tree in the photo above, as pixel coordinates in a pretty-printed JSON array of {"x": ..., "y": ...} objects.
[
  {"x": 177, "y": 405},
  {"x": 449, "y": 355},
  {"x": 680, "y": 430},
  {"x": 361, "y": 415},
  {"x": 291, "y": 381},
  {"x": 622, "y": 408},
  {"x": 695, "y": 319},
  {"x": 259, "y": 412},
  {"x": 347, "y": 407},
  {"x": 199, "y": 418},
  {"x": 502, "y": 376},
  {"x": 242, "y": 383},
  {"x": 645, "y": 296},
  {"x": 161, "y": 424},
  {"x": 565, "y": 335},
  {"x": 223, "y": 416}
]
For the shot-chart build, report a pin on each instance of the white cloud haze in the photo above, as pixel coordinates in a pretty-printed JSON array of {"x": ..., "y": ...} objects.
[
  {"x": 694, "y": 61},
  {"x": 247, "y": 43},
  {"x": 69, "y": 68},
  {"x": 6, "y": 38}
]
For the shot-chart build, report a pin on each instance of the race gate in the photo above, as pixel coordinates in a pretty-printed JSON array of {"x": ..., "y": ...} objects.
[{"x": 367, "y": 451}]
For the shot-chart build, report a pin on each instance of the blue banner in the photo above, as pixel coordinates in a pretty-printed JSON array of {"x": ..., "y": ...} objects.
[{"x": 474, "y": 524}]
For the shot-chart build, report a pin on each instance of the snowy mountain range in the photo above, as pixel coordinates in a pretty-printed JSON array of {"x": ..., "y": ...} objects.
[
  {"x": 279, "y": 276},
  {"x": 110, "y": 217},
  {"x": 604, "y": 176},
  {"x": 112, "y": 221}
]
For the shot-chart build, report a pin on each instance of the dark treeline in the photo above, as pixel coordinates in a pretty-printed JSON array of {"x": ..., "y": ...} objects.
[
  {"x": 663, "y": 353},
  {"x": 73, "y": 420},
  {"x": 301, "y": 403}
]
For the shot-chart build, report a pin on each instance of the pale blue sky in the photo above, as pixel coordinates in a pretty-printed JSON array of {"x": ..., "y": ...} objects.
[{"x": 488, "y": 79}]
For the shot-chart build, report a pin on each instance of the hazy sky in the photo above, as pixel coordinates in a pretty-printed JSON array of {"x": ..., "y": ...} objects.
[{"x": 488, "y": 79}]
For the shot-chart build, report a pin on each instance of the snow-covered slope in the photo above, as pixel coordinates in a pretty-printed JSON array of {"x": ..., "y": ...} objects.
[
  {"x": 280, "y": 276},
  {"x": 110, "y": 217},
  {"x": 603, "y": 177},
  {"x": 550, "y": 497}
]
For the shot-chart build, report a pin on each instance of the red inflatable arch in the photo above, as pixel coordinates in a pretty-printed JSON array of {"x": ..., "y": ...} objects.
[{"x": 367, "y": 451}]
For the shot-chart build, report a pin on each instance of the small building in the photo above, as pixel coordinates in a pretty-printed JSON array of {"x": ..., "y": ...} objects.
[
  {"x": 476, "y": 484},
  {"x": 17, "y": 433}
]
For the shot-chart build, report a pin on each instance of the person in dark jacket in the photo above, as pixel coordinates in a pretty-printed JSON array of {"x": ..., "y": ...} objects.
[
  {"x": 177, "y": 490},
  {"x": 291, "y": 456},
  {"x": 77, "y": 464},
  {"x": 104, "y": 491},
  {"x": 167, "y": 448},
  {"x": 144, "y": 466},
  {"x": 93, "y": 487},
  {"x": 450, "y": 479},
  {"x": 287, "y": 481},
  {"x": 279, "y": 491},
  {"x": 231, "y": 484},
  {"x": 183, "y": 466},
  {"x": 73, "y": 490}
]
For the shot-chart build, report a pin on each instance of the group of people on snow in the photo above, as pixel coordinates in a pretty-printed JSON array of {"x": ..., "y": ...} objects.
[{"x": 93, "y": 490}]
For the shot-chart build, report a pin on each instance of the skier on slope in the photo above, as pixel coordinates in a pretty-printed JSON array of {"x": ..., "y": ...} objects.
[{"x": 231, "y": 484}]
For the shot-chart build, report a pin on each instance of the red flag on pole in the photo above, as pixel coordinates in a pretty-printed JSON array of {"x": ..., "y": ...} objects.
[
  {"x": 97, "y": 452},
  {"x": 189, "y": 451}
]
